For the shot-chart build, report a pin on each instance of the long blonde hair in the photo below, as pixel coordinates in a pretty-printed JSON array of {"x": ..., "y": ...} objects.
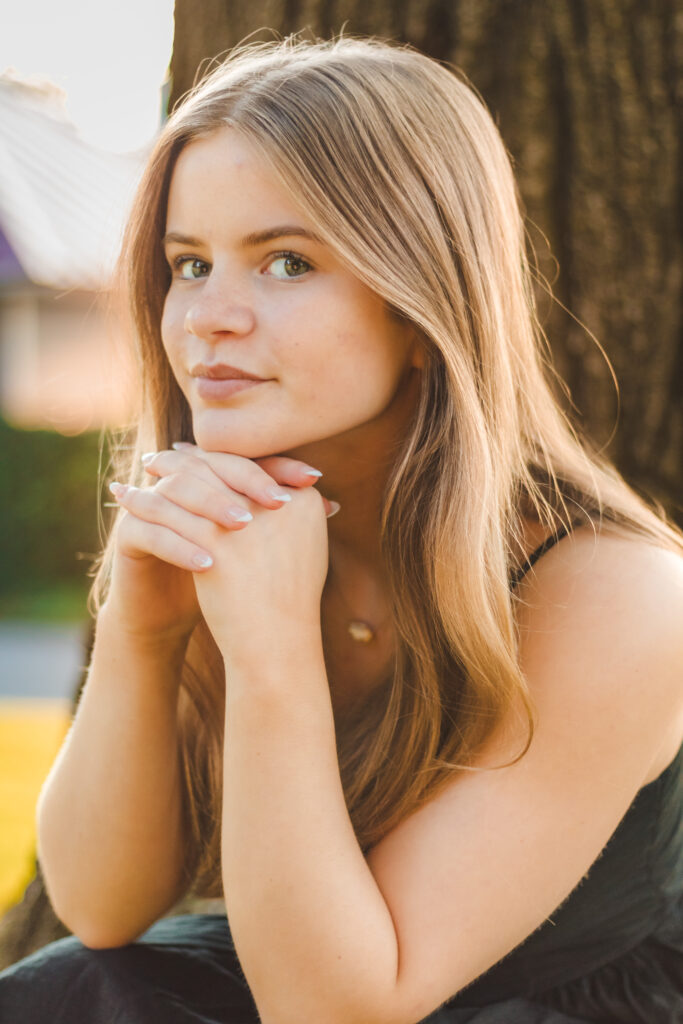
[{"x": 397, "y": 162}]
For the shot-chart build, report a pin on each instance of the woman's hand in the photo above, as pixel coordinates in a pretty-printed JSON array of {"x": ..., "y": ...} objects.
[
  {"x": 169, "y": 530},
  {"x": 263, "y": 592}
]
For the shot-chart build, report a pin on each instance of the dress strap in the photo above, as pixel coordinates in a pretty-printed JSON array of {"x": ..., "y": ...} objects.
[{"x": 549, "y": 542}]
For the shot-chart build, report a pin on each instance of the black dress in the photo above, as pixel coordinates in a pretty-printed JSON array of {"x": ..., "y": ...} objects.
[{"x": 612, "y": 953}]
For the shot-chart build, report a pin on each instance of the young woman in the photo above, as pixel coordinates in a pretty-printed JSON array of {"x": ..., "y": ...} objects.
[{"x": 433, "y": 774}]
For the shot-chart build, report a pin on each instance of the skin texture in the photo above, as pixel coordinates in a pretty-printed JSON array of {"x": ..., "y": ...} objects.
[{"x": 410, "y": 924}]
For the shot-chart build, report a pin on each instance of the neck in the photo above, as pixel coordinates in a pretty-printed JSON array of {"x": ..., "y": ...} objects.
[{"x": 356, "y": 467}]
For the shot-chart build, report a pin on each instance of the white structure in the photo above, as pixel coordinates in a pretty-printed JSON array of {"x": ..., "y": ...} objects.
[{"x": 63, "y": 358}]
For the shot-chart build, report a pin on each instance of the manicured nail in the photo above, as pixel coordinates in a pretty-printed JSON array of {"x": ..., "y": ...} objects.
[
  {"x": 179, "y": 445},
  {"x": 273, "y": 492},
  {"x": 312, "y": 472},
  {"x": 203, "y": 561},
  {"x": 147, "y": 457},
  {"x": 240, "y": 515},
  {"x": 335, "y": 508},
  {"x": 117, "y": 489}
]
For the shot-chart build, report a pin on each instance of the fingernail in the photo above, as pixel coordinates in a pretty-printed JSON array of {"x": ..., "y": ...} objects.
[
  {"x": 117, "y": 489},
  {"x": 240, "y": 515},
  {"x": 203, "y": 561},
  {"x": 178, "y": 445},
  {"x": 273, "y": 492},
  {"x": 147, "y": 457},
  {"x": 312, "y": 472},
  {"x": 335, "y": 508}
]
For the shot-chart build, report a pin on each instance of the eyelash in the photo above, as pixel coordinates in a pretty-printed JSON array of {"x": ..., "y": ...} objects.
[{"x": 179, "y": 262}]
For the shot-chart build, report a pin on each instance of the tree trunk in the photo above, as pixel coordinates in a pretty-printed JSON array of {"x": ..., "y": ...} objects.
[{"x": 586, "y": 96}]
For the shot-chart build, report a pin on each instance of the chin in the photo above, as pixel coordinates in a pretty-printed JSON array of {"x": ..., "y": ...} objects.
[
  {"x": 215, "y": 438},
  {"x": 221, "y": 444},
  {"x": 215, "y": 433}
]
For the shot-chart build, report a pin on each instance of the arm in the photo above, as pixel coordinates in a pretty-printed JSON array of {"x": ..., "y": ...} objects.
[
  {"x": 110, "y": 817},
  {"x": 110, "y": 822},
  {"x": 312, "y": 930},
  {"x": 325, "y": 935}
]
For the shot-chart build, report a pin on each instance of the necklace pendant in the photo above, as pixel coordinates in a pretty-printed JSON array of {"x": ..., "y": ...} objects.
[{"x": 360, "y": 631}]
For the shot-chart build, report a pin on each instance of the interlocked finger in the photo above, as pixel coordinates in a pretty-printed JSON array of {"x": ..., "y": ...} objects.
[
  {"x": 138, "y": 538},
  {"x": 162, "y": 463},
  {"x": 149, "y": 505},
  {"x": 218, "y": 503},
  {"x": 244, "y": 476}
]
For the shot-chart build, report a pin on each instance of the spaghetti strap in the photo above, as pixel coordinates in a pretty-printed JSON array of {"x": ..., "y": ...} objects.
[{"x": 549, "y": 542}]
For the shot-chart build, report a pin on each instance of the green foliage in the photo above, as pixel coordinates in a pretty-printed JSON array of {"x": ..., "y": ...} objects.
[{"x": 48, "y": 514}]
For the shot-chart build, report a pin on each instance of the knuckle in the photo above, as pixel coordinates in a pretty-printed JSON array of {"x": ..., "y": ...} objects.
[
  {"x": 198, "y": 468},
  {"x": 140, "y": 497},
  {"x": 167, "y": 484},
  {"x": 157, "y": 463}
]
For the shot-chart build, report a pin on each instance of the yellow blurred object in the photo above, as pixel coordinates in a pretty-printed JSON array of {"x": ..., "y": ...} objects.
[{"x": 31, "y": 733}]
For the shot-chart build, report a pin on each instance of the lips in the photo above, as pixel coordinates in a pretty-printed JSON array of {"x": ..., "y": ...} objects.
[
  {"x": 222, "y": 371},
  {"x": 222, "y": 388}
]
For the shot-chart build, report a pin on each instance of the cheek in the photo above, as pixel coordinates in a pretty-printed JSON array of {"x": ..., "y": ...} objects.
[
  {"x": 171, "y": 332},
  {"x": 367, "y": 357}
]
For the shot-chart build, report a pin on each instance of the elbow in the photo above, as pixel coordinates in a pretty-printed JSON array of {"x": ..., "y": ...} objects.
[
  {"x": 98, "y": 939},
  {"x": 99, "y": 935},
  {"x": 91, "y": 928},
  {"x": 328, "y": 1014},
  {"x": 94, "y": 933}
]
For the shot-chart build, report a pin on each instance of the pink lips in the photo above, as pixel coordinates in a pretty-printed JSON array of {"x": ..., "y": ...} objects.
[
  {"x": 207, "y": 388},
  {"x": 218, "y": 380}
]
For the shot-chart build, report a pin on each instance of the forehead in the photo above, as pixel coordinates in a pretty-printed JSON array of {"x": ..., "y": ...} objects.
[{"x": 223, "y": 178}]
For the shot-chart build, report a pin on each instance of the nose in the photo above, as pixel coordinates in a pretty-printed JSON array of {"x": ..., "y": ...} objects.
[{"x": 213, "y": 313}]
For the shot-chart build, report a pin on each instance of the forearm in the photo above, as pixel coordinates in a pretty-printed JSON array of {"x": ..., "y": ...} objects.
[
  {"x": 312, "y": 931},
  {"x": 110, "y": 819}
]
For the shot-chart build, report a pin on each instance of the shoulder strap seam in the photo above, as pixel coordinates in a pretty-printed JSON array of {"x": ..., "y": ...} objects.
[{"x": 549, "y": 542}]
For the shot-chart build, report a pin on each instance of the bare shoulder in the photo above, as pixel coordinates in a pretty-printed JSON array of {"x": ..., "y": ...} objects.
[
  {"x": 605, "y": 557},
  {"x": 601, "y": 646},
  {"x": 609, "y": 607}
]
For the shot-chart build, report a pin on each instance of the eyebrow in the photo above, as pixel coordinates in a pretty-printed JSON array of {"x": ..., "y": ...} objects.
[{"x": 253, "y": 239}]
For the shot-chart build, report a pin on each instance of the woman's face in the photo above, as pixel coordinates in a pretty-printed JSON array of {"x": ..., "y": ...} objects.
[{"x": 280, "y": 307}]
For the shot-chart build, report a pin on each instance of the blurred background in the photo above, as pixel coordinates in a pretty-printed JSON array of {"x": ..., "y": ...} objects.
[
  {"x": 587, "y": 97},
  {"x": 83, "y": 89}
]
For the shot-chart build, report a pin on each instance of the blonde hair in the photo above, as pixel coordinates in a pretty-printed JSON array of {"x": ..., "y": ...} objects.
[{"x": 399, "y": 165}]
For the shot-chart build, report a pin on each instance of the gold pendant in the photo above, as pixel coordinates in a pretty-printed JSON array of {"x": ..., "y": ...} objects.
[{"x": 360, "y": 631}]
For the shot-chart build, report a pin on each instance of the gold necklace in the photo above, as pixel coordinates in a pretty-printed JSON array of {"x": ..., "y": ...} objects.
[{"x": 359, "y": 629}]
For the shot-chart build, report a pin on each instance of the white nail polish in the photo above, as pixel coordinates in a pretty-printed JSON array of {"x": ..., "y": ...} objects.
[
  {"x": 279, "y": 495},
  {"x": 240, "y": 515},
  {"x": 203, "y": 561}
]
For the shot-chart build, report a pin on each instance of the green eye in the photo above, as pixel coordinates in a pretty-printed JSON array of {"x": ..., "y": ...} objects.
[
  {"x": 294, "y": 265},
  {"x": 189, "y": 268}
]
